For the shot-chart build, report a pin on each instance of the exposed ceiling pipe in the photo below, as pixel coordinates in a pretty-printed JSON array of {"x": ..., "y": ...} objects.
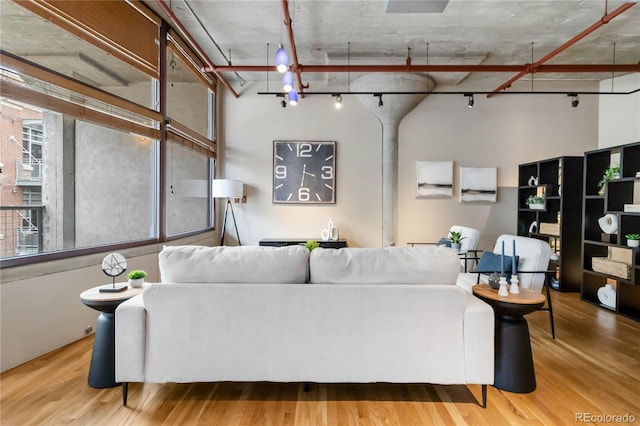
[
  {"x": 184, "y": 33},
  {"x": 579, "y": 68},
  {"x": 532, "y": 68},
  {"x": 292, "y": 42}
]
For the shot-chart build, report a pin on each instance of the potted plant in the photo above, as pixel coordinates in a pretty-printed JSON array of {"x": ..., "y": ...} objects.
[
  {"x": 136, "y": 278},
  {"x": 535, "y": 202},
  {"x": 612, "y": 172},
  {"x": 455, "y": 237},
  {"x": 311, "y": 244},
  {"x": 633, "y": 240}
]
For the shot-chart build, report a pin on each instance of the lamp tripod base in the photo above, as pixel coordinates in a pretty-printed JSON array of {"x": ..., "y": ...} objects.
[{"x": 224, "y": 222}]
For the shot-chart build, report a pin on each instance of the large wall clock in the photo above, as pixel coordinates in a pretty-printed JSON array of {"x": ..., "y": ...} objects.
[{"x": 304, "y": 172}]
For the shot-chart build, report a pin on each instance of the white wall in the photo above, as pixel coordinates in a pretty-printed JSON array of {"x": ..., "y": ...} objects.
[
  {"x": 500, "y": 132},
  {"x": 40, "y": 307},
  {"x": 619, "y": 120}
]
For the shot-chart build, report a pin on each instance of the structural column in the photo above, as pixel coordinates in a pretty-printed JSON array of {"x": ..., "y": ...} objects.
[{"x": 390, "y": 113}]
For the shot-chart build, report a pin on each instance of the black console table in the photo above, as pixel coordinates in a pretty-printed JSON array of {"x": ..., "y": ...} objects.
[{"x": 280, "y": 242}]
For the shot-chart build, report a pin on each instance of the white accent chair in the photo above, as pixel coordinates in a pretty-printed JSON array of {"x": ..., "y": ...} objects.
[
  {"x": 468, "y": 245},
  {"x": 532, "y": 268}
]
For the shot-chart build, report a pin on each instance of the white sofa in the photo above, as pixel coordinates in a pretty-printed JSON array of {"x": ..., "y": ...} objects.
[{"x": 246, "y": 314}]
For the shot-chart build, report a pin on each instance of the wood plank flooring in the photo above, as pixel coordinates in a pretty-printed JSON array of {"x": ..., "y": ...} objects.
[{"x": 593, "y": 367}]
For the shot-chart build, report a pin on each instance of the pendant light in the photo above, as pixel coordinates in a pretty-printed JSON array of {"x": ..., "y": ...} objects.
[
  {"x": 287, "y": 81},
  {"x": 282, "y": 60},
  {"x": 293, "y": 98}
]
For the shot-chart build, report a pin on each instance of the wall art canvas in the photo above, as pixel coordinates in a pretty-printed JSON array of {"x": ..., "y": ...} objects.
[
  {"x": 434, "y": 179},
  {"x": 478, "y": 184}
]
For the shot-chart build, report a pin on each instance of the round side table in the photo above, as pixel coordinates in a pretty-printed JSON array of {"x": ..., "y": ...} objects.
[
  {"x": 513, "y": 359},
  {"x": 102, "y": 371}
]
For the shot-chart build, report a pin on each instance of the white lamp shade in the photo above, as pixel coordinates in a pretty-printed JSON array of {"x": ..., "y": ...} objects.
[{"x": 226, "y": 188}]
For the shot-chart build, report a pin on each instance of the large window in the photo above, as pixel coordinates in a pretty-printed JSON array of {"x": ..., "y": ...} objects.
[
  {"x": 83, "y": 148},
  {"x": 188, "y": 202},
  {"x": 83, "y": 185}
]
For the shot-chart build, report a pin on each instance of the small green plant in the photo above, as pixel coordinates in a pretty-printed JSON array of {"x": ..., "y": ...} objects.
[
  {"x": 311, "y": 244},
  {"x": 137, "y": 274},
  {"x": 612, "y": 172},
  {"x": 632, "y": 236},
  {"x": 534, "y": 199},
  {"x": 456, "y": 237}
]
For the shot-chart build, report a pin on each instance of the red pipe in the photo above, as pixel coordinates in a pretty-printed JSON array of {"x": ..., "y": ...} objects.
[
  {"x": 580, "y": 68},
  {"x": 534, "y": 68},
  {"x": 210, "y": 66},
  {"x": 296, "y": 64}
]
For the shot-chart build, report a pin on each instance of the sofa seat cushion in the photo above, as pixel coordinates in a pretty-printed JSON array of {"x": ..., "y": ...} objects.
[
  {"x": 389, "y": 265},
  {"x": 245, "y": 264}
]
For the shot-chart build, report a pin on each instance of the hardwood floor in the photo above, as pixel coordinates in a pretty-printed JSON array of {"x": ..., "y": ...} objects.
[{"x": 593, "y": 367}]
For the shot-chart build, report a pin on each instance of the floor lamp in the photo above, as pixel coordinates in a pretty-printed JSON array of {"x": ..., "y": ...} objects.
[{"x": 227, "y": 188}]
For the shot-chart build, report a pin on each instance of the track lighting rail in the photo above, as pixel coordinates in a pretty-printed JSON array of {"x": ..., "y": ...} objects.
[{"x": 465, "y": 93}]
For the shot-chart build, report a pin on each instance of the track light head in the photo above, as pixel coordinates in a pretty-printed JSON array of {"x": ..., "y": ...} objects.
[
  {"x": 471, "y": 100},
  {"x": 575, "y": 99},
  {"x": 380, "y": 103},
  {"x": 338, "y": 103}
]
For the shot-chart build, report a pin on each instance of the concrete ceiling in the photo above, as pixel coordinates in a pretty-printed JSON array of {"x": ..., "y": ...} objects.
[
  {"x": 364, "y": 33},
  {"x": 466, "y": 32}
]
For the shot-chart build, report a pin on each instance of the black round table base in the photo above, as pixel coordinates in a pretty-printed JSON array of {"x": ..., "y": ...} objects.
[
  {"x": 513, "y": 359},
  {"x": 102, "y": 371}
]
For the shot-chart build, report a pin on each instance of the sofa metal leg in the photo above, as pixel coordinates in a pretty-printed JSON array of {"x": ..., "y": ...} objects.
[
  {"x": 484, "y": 396},
  {"x": 125, "y": 392},
  {"x": 306, "y": 387}
]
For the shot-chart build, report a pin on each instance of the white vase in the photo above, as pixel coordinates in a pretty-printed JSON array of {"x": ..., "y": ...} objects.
[
  {"x": 607, "y": 296},
  {"x": 331, "y": 233},
  {"x": 608, "y": 223},
  {"x": 455, "y": 246},
  {"x": 633, "y": 243},
  {"x": 136, "y": 283},
  {"x": 536, "y": 206}
]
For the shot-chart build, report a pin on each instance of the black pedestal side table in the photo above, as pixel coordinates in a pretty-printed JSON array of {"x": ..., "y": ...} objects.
[
  {"x": 102, "y": 372},
  {"x": 513, "y": 359}
]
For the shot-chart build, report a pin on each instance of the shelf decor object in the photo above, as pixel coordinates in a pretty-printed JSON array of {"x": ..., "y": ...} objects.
[
  {"x": 608, "y": 223},
  {"x": 559, "y": 223},
  {"x": 611, "y": 267},
  {"x": 633, "y": 240},
  {"x": 607, "y": 296},
  {"x": 606, "y": 257}
]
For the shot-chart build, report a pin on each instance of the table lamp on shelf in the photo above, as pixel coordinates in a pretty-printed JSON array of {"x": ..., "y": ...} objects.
[{"x": 227, "y": 188}]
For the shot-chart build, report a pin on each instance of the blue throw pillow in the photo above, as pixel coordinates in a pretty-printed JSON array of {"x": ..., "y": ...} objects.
[
  {"x": 444, "y": 242},
  {"x": 490, "y": 262}
]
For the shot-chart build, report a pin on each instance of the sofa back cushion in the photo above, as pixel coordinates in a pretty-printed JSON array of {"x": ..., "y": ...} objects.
[
  {"x": 244, "y": 264},
  {"x": 389, "y": 265}
]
